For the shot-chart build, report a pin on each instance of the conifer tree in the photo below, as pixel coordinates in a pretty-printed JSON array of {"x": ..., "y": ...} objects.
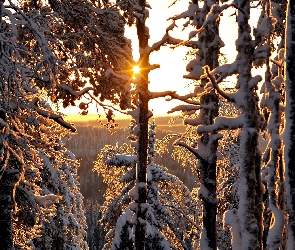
[
  {"x": 29, "y": 127},
  {"x": 171, "y": 217},
  {"x": 207, "y": 53}
]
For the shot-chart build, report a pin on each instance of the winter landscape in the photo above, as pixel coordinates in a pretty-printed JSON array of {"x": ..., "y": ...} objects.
[{"x": 194, "y": 151}]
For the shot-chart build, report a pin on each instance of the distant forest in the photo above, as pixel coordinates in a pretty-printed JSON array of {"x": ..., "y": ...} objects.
[{"x": 93, "y": 135}]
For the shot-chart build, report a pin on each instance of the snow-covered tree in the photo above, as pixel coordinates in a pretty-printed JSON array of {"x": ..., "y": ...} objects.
[
  {"x": 250, "y": 200},
  {"x": 171, "y": 216},
  {"x": 248, "y": 217},
  {"x": 29, "y": 128},
  {"x": 66, "y": 228},
  {"x": 95, "y": 230},
  {"x": 272, "y": 89},
  {"x": 204, "y": 102},
  {"x": 289, "y": 132},
  {"x": 88, "y": 36}
]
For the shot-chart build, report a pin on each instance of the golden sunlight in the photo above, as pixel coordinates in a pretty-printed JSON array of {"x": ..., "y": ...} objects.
[{"x": 136, "y": 69}]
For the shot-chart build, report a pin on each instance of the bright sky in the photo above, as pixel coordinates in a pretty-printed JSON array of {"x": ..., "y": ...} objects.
[{"x": 172, "y": 65}]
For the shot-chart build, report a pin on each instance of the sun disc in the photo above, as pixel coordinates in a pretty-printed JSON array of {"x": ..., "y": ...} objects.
[{"x": 136, "y": 69}]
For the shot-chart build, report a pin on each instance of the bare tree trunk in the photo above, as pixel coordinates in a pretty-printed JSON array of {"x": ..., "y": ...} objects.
[
  {"x": 141, "y": 168},
  {"x": 289, "y": 134}
]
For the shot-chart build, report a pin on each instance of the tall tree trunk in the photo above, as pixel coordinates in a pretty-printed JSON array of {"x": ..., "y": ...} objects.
[
  {"x": 7, "y": 185},
  {"x": 250, "y": 193},
  {"x": 271, "y": 239},
  {"x": 141, "y": 168},
  {"x": 289, "y": 134},
  {"x": 209, "y": 56}
]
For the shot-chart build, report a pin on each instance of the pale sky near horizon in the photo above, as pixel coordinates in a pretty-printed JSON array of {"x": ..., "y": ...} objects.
[{"x": 172, "y": 65}]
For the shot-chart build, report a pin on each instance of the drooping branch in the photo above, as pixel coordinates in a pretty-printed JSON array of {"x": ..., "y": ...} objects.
[
  {"x": 171, "y": 205},
  {"x": 50, "y": 115}
]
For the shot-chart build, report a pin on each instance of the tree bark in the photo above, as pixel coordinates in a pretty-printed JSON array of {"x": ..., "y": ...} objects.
[
  {"x": 209, "y": 56},
  {"x": 289, "y": 134},
  {"x": 250, "y": 193},
  {"x": 141, "y": 167}
]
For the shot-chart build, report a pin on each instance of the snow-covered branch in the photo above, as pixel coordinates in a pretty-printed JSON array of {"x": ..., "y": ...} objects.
[
  {"x": 227, "y": 96},
  {"x": 50, "y": 115},
  {"x": 35, "y": 29},
  {"x": 222, "y": 123},
  {"x": 153, "y": 95},
  {"x": 185, "y": 98},
  {"x": 122, "y": 160},
  {"x": 194, "y": 151},
  {"x": 183, "y": 214},
  {"x": 72, "y": 92},
  {"x": 261, "y": 51},
  {"x": 225, "y": 70},
  {"x": 212, "y": 16},
  {"x": 185, "y": 108},
  {"x": 110, "y": 72},
  {"x": 156, "y": 46},
  {"x": 254, "y": 81}
]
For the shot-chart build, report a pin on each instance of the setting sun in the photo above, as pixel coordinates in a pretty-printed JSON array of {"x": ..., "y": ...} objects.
[{"x": 136, "y": 69}]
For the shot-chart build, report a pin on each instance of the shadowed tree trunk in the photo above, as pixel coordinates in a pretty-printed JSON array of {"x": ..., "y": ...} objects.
[
  {"x": 250, "y": 193},
  {"x": 289, "y": 134},
  {"x": 141, "y": 168},
  {"x": 209, "y": 56}
]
